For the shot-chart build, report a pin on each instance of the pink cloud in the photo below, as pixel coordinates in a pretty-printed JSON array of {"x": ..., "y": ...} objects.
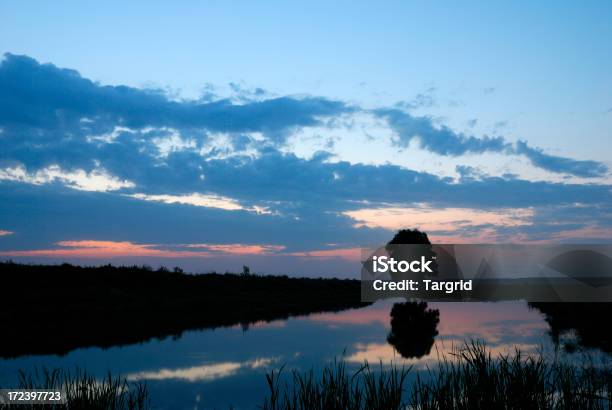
[
  {"x": 428, "y": 218},
  {"x": 588, "y": 232},
  {"x": 350, "y": 254},
  {"x": 240, "y": 249},
  {"x": 100, "y": 249},
  {"x": 113, "y": 249},
  {"x": 5, "y": 233}
]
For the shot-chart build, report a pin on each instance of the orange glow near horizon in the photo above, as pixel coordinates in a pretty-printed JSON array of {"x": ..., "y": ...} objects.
[{"x": 113, "y": 249}]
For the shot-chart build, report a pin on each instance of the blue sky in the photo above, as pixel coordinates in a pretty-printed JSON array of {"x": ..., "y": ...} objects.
[{"x": 287, "y": 135}]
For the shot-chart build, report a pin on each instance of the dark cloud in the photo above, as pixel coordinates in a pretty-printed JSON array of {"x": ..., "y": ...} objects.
[
  {"x": 587, "y": 169},
  {"x": 45, "y": 97},
  {"x": 313, "y": 181},
  {"x": 50, "y": 116},
  {"x": 47, "y": 112},
  {"x": 440, "y": 140},
  {"x": 56, "y": 213},
  {"x": 444, "y": 141}
]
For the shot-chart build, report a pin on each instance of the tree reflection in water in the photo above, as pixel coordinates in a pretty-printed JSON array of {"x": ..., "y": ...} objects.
[{"x": 413, "y": 328}]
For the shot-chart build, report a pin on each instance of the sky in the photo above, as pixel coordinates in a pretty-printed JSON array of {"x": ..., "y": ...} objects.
[{"x": 286, "y": 135}]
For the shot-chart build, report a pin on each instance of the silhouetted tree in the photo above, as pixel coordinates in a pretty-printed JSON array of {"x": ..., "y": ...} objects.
[
  {"x": 413, "y": 325},
  {"x": 411, "y": 237}
]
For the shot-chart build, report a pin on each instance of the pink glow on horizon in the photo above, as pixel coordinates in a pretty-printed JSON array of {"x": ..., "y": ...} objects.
[
  {"x": 459, "y": 317},
  {"x": 349, "y": 254},
  {"x": 587, "y": 232},
  {"x": 427, "y": 218},
  {"x": 240, "y": 249},
  {"x": 114, "y": 249}
]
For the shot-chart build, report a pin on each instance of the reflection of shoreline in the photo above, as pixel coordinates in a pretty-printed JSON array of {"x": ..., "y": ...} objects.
[
  {"x": 211, "y": 358},
  {"x": 587, "y": 320},
  {"x": 57, "y": 308}
]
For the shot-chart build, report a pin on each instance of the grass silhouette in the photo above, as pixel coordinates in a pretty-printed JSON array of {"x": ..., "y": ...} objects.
[
  {"x": 469, "y": 378},
  {"x": 83, "y": 391}
]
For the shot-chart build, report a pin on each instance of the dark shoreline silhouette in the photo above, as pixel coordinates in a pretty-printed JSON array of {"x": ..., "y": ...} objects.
[
  {"x": 586, "y": 320},
  {"x": 53, "y": 309}
]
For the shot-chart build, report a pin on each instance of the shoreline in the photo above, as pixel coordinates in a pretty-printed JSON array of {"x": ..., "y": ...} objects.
[{"x": 70, "y": 306}]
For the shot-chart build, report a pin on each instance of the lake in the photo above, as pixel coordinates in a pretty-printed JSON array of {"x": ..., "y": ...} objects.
[{"x": 225, "y": 367}]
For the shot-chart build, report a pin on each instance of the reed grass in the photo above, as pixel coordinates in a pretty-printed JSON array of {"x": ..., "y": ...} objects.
[
  {"x": 84, "y": 391},
  {"x": 336, "y": 389},
  {"x": 469, "y": 378}
]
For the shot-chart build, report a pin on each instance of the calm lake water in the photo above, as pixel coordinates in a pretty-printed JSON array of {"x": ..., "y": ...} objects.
[{"x": 224, "y": 367}]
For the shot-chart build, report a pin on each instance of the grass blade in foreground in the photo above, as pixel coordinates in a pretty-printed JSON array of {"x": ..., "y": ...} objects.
[{"x": 470, "y": 378}]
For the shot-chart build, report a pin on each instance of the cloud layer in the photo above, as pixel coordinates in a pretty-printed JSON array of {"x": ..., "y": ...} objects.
[
  {"x": 81, "y": 161},
  {"x": 444, "y": 141}
]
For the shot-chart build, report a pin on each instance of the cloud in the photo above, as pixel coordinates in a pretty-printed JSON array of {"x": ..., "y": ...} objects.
[
  {"x": 113, "y": 249},
  {"x": 239, "y": 249},
  {"x": 5, "y": 232},
  {"x": 309, "y": 205},
  {"x": 350, "y": 254},
  {"x": 586, "y": 169},
  {"x": 421, "y": 100},
  {"x": 96, "y": 180},
  {"x": 154, "y": 169},
  {"x": 314, "y": 181},
  {"x": 440, "y": 140},
  {"x": 431, "y": 219},
  {"x": 444, "y": 141},
  {"x": 500, "y": 124},
  {"x": 54, "y": 215},
  {"x": 52, "y": 104},
  {"x": 207, "y": 201},
  {"x": 53, "y": 117}
]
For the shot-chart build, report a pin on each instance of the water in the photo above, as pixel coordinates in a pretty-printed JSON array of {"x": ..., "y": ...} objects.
[{"x": 219, "y": 368}]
